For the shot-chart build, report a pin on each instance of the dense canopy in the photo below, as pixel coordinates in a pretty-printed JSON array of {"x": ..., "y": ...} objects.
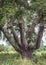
[{"x": 16, "y": 8}]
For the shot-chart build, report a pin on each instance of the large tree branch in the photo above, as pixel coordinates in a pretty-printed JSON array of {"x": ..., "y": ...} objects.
[
  {"x": 31, "y": 29},
  {"x": 22, "y": 35},
  {"x": 18, "y": 43},
  {"x": 10, "y": 25},
  {"x": 11, "y": 40},
  {"x": 40, "y": 33},
  {"x": 17, "y": 40}
]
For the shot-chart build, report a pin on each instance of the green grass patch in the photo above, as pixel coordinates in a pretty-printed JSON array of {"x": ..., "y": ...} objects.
[{"x": 14, "y": 58}]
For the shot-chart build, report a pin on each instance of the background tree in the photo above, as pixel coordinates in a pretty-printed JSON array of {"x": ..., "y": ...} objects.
[{"x": 13, "y": 17}]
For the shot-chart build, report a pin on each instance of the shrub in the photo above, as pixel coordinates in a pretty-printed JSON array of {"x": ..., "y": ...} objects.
[{"x": 2, "y": 48}]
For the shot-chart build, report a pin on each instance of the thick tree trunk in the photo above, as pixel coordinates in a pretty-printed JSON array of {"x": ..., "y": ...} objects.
[{"x": 27, "y": 55}]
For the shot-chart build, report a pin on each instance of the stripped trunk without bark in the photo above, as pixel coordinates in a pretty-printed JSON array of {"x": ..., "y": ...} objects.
[{"x": 22, "y": 45}]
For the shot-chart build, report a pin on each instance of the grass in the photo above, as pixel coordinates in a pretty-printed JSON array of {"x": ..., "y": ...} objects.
[{"x": 13, "y": 58}]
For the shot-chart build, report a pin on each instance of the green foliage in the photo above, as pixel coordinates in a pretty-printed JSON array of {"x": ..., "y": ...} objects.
[
  {"x": 10, "y": 48},
  {"x": 2, "y": 48},
  {"x": 6, "y": 48},
  {"x": 9, "y": 55},
  {"x": 11, "y": 7},
  {"x": 42, "y": 48},
  {"x": 39, "y": 56},
  {"x": 44, "y": 55},
  {"x": 39, "y": 6},
  {"x": 15, "y": 59}
]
